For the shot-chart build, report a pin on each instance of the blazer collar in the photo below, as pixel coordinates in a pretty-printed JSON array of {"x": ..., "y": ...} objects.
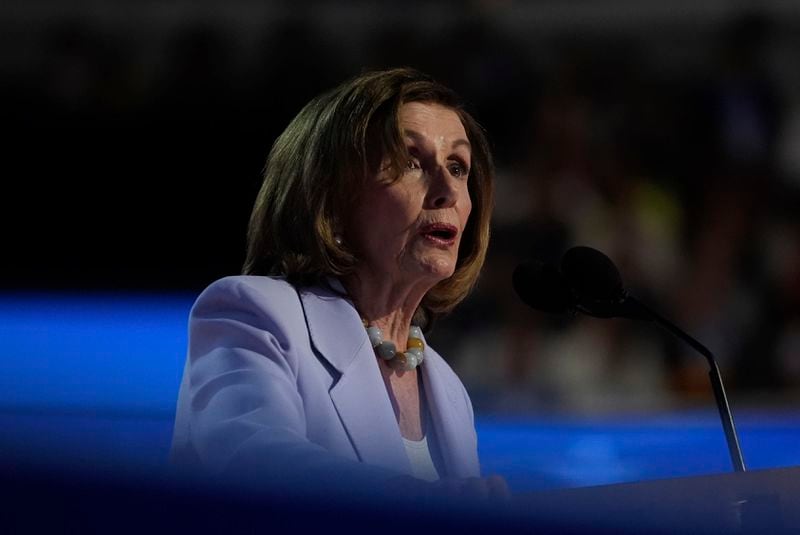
[
  {"x": 452, "y": 426},
  {"x": 360, "y": 396},
  {"x": 334, "y": 324}
]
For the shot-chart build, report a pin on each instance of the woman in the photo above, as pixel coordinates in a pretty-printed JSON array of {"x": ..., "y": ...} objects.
[{"x": 373, "y": 219}]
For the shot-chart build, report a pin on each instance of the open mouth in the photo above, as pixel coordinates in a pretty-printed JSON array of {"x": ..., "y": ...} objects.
[{"x": 440, "y": 233}]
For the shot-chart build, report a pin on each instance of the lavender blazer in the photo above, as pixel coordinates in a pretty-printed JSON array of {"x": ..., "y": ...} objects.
[{"x": 280, "y": 381}]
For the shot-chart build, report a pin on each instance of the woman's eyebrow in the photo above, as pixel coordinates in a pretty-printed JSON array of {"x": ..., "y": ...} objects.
[
  {"x": 423, "y": 140},
  {"x": 461, "y": 141}
]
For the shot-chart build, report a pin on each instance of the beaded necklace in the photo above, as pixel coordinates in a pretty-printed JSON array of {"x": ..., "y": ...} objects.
[{"x": 399, "y": 360}]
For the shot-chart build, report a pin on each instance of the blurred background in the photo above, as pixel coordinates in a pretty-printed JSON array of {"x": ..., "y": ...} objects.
[{"x": 667, "y": 136}]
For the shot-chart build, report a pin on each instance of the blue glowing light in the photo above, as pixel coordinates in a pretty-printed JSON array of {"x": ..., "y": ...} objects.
[
  {"x": 118, "y": 352},
  {"x": 93, "y": 379}
]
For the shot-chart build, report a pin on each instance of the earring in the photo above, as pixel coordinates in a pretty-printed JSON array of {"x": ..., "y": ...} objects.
[{"x": 337, "y": 238}]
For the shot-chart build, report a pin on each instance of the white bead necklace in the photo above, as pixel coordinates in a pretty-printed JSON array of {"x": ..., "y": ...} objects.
[{"x": 400, "y": 360}]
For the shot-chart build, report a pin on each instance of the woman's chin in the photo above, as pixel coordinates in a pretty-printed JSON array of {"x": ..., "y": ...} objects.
[{"x": 438, "y": 269}]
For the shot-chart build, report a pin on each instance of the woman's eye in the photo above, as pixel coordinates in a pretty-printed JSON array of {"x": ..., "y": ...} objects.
[{"x": 457, "y": 170}]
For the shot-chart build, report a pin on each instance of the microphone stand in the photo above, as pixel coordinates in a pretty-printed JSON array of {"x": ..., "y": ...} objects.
[{"x": 633, "y": 308}]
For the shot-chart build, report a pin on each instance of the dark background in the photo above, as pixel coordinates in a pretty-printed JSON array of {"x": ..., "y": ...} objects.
[{"x": 666, "y": 135}]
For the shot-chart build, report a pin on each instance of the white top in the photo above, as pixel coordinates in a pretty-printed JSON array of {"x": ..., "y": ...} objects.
[{"x": 421, "y": 461}]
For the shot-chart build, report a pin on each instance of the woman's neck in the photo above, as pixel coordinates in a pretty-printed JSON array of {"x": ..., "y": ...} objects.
[{"x": 388, "y": 305}]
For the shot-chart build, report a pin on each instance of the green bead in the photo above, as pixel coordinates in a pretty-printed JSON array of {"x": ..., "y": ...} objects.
[
  {"x": 386, "y": 350},
  {"x": 375, "y": 336},
  {"x": 417, "y": 354}
]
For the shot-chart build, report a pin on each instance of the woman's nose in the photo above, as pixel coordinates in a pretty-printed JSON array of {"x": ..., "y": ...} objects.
[{"x": 442, "y": 192}]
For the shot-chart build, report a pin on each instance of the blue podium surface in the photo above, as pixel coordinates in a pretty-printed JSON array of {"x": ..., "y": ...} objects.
[
  {"x": 55, "y": 499},
  {"x": 757, "y": 501}
]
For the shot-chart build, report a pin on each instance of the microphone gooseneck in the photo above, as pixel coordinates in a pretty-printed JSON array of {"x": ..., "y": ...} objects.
[{"x": 590, "y": 283}]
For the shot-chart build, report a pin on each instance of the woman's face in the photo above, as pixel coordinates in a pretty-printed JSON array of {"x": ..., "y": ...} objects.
[{"x": 409, "y": 230}]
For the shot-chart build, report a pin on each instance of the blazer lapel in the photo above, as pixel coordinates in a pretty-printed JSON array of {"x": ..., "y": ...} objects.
[
  {"x": 452, "y": 425},
  {"x": 359, "y": 395}
]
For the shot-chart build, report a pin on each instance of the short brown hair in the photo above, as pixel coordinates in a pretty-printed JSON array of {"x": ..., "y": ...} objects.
[{"x": 326, "y": 153}]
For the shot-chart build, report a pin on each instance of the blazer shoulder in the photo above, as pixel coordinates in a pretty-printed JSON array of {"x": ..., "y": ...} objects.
[
  {"x": 249, "y": 285},
  {"x": 260, "y": 292},
  {"x": 260, "y": 301}
]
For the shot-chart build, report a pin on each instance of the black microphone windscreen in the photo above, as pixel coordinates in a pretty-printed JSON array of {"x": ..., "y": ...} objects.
[
  {"x": 542, "y": 287},
  {"x": 592, "y": 274}
]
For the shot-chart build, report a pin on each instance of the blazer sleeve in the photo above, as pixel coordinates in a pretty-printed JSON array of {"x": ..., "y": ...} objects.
[{"x": 240, "y": 412}]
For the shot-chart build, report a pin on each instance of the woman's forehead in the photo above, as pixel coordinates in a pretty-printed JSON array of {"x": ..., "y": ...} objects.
[{"x": 426, "y": 122}]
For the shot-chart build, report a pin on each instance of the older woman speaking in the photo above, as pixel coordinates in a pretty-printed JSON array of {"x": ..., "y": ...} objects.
[{"x": 373, "y": 219}]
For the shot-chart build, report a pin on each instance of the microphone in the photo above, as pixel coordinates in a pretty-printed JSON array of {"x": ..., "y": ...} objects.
[
  {"x": 542, "y": 287},
  {"x": 598, "y": 287},
  {"x": 590, "y": 283}
]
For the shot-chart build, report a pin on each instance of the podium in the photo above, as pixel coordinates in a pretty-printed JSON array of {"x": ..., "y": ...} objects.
[
  {"x": 49, "y": 500},
  {"x": 757, "y": 501}
]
